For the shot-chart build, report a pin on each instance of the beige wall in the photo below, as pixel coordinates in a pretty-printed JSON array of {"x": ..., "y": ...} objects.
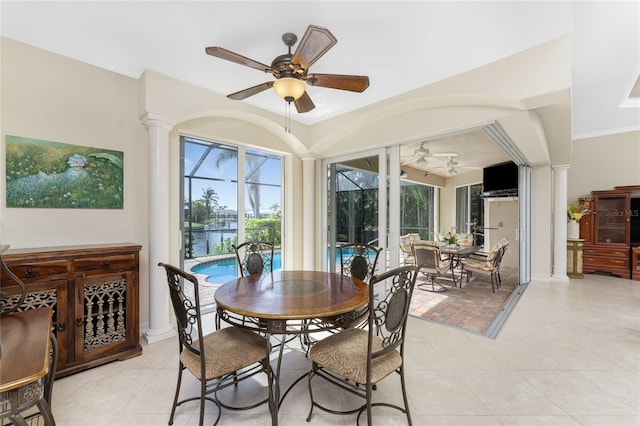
[
  {"x": 49, "y": 97},
  {"x": 602, "y": 162}
]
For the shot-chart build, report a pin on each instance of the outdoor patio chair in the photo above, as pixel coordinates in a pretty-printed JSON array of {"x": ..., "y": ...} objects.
[
  {"x": 405, "y": 246},
  {"x": 489, "y": 266},
  {"x": 364, "y": 357},
  {"x": 431, "y": 264}
]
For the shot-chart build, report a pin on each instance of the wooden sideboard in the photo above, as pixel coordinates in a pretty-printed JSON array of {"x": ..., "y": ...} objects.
[
  {"x": 93, "y": 291},
  {"x": 606, "y": 230}
]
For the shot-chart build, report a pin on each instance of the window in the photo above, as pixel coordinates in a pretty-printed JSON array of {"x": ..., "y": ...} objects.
[
  {"x": 212, "y": 220},
  {"x": 417, "y": 210},
  {"x": 470, "y": 211}
]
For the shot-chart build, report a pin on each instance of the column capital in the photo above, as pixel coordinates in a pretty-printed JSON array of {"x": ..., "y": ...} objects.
[
  {"x": 559, "y": 167},
  {"x": 155, "y": 120},
  {"x": 308, "y": 157}
]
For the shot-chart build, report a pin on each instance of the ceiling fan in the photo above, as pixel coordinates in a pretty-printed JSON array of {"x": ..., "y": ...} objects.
[
  {"x": 421, "y": 156},
  {"x": 452, "y": 167},
  {"x": 292, "y": 70}
]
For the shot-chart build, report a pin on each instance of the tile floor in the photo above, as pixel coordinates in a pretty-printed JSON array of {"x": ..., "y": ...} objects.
[{"x": 568, "y": 355}]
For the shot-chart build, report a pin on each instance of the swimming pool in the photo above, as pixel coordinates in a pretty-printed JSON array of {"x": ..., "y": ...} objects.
[{"x": 220, "y": 271}]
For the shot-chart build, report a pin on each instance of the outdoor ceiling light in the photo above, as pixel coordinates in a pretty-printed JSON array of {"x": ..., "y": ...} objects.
[
  {"x": 403, "y": 174},
  {"x": 422, "y": 162}
]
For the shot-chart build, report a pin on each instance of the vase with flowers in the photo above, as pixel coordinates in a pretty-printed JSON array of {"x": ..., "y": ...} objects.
[
  {"x": 575, "y": 212},
  {"x": 451, "y": 237}
]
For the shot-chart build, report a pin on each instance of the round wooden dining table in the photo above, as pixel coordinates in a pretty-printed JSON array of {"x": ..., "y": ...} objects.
[{"x": 285, "y": 303}]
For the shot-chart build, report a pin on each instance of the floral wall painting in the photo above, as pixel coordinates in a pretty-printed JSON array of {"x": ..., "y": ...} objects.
[{"x": 44, "y": 174}]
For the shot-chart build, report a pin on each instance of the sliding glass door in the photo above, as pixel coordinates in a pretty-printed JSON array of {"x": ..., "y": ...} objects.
[{"x": 357, "y": 207}]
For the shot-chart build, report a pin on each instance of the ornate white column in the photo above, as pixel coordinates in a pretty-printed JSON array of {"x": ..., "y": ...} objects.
[
  {"x": 159, "y": 228},
  {"x": 308, "y": 211},
  {"x": 560, "y": 223}
]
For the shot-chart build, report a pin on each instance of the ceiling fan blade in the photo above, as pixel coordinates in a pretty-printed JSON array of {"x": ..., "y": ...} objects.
[
  {"x": 304, "y": 103},
  {"x": 243, "y": 94},
  {"x": 315, "y": 42},
  {"x": 353, "y": 83},
  {"x": 228, "y": 55}
]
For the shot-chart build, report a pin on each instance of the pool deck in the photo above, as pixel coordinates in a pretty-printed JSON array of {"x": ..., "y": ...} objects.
[{"x": 207, "y": 289}]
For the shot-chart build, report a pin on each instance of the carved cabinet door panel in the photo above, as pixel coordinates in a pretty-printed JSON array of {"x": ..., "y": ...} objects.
[
  {"x": 51, "y": 293},
  {"x": 105, "y": 317}
]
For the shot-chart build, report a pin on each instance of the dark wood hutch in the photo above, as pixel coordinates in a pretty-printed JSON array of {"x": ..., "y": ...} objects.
[
  {"x": 93, "y": 292},
  {"x": 610, "y": 229}
]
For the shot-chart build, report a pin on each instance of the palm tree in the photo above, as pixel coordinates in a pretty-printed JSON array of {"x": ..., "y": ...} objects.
[{"x": 210, "y": 198}]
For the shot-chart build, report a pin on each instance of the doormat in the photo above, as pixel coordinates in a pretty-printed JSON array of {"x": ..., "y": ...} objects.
[{"x": 473, "y": 308}]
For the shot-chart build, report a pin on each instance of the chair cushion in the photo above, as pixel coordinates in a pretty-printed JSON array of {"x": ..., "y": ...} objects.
[
  {"x": 483, "y": 266},
  {"x": 226, "y": 350},
  {"x": 345, "y": 353}
]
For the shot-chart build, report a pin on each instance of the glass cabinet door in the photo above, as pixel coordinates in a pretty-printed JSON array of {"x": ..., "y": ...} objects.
[{"x": 612, "y": 219}]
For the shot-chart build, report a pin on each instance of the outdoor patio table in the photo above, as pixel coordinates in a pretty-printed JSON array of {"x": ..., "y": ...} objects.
[
  {"x": 456, "y": 254},
  {"x": 283, "y": 303}
]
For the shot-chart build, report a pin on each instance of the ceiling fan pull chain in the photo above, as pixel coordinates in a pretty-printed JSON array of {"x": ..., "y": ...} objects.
[{"x": 287, "y": 117}]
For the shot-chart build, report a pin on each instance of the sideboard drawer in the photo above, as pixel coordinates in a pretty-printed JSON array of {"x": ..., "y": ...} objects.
[
  {"x": 33, "y": 271},
  {"x": 125, "y": 262},
  {"x": 607, "y": 251},
  {"x": 606, "y": 261}
]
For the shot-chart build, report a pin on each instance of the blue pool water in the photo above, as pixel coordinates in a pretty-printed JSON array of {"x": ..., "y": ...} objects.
[{"x": 222, "y": 270}]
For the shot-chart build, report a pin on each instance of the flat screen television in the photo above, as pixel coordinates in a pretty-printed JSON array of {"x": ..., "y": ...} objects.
[{"x": 500, "y": 180}]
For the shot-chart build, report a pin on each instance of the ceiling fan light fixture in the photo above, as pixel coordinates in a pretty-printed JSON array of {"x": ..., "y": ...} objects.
[
  {"x": 289, "y": 88},
  {"x": 451, "y": 172},
  {"x": 422, "y": 162}
]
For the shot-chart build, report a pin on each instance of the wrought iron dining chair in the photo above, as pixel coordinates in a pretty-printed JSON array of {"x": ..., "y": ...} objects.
[
  {"x": 365, "y": 357},
  {"x": 254, "y": 257},
  {"x": 359, "y": 260},
  {"x": 431, "y": 264},
  {"x": 489, "y": 266},
  {"x": 218, "y": 360}
]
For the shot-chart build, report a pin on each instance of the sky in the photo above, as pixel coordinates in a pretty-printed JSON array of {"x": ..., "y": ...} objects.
[{"x": 223, "y": 177}]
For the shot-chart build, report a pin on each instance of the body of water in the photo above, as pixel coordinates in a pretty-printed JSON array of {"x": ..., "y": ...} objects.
[{"x": 202, "y": 238}]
